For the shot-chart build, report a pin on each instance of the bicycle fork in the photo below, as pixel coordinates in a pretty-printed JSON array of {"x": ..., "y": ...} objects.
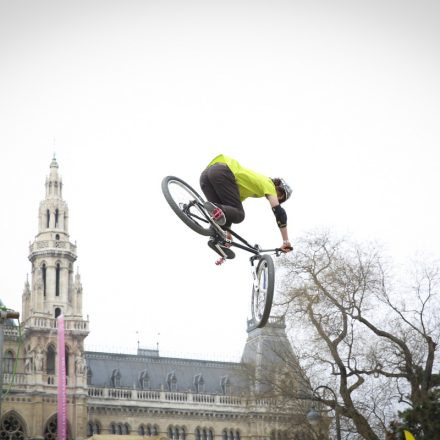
[{"x": 254, "y": 265}]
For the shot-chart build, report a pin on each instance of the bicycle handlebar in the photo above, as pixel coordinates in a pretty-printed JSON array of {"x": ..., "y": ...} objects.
[{"x": 277, "y": 251}]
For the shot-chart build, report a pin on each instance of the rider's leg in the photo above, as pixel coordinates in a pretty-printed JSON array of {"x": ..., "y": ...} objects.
[
  {"x": 213, "y": 202},
  {"x": 219, "y": 186},
  {"x": 208, "y": 189}
]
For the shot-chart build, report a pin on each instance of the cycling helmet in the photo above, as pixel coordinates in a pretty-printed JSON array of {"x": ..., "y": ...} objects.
[{"x": 281, "y": 184}]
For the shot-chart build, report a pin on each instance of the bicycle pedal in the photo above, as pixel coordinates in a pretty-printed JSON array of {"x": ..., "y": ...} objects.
[{"x": 220, "y": 261}]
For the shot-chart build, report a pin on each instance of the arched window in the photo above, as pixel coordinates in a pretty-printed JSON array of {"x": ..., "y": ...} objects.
[
  {"x": 66, "y": 353},
  {"x": 50, "y": 430},
  {"x": 141, "y": 430},
  {"x": 89, "y": 376},
  {"x": 57, "y": 279},
  {"x": 93, "y": 428},
  {"x": 47, "y": 218},
  {"x": 56, "y": 218},
  {"x": 155, "y": 430},
  {"x": 204, "y": 434},
  {"x": 112, "y": 428},
  {"x": 12, "y": 427},
  {"x": 50, "y": 360},
  {"x": 176, "y": 432},
  {"x": 149, "y": 431},
  {"x": 8, "y": 362},
  {"x": 44, "y": 277}
]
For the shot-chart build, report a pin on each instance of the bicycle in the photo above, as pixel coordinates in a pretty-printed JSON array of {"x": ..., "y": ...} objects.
[{"x": 189, "y": 207}]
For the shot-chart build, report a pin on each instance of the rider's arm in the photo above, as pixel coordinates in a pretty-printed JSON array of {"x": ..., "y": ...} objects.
[{"x": 276, "y": 208}]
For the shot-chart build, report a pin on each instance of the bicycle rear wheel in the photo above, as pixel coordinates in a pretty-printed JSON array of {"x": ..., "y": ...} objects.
[
  {"x": 187, "y": 204},
  {"x": 262, "y": 291}
]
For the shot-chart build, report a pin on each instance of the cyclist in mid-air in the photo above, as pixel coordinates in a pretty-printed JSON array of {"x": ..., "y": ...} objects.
[{"x": 226, "y": 184}]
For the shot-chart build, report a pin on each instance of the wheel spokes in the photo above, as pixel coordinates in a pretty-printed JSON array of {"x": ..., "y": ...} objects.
[
  {"x": 261, "y": 291},
  {"x": 187, "y": 202}
]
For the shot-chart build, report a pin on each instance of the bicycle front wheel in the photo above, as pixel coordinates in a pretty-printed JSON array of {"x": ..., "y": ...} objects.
[
  {"x": 187, "y": 204},
  {"x": 262, "y": 292}
]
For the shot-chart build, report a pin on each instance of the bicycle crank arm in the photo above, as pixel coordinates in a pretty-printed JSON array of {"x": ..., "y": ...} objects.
[{"x": 221, "y": 251}]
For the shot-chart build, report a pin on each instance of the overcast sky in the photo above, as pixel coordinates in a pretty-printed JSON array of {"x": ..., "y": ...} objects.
[{"x": 342, "y": 98}]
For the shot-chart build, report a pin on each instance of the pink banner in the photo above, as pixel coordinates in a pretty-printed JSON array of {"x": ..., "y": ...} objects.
[{"x": 62, "y": 398}]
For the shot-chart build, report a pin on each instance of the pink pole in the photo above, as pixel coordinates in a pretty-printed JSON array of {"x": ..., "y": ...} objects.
[{"x": 62, "y": 398}]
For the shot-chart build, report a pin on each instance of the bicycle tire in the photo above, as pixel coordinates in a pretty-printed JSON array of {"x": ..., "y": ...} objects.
[
  {"x": 202, "y": 227},
  {"x": 262, "y": 297}
]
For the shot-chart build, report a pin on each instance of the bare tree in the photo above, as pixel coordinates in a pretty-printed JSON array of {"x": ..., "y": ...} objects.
[{"x": 364, "y": 333}]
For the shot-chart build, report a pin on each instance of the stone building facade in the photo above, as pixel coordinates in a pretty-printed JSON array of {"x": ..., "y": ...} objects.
[{"x": 121, "y": 394}]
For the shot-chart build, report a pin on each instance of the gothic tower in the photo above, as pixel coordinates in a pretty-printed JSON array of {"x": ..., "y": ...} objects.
[{"x": 54, "y": 290}]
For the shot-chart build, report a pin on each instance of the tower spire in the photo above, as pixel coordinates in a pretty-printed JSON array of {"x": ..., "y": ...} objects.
[{"x": 54, "y": 183}]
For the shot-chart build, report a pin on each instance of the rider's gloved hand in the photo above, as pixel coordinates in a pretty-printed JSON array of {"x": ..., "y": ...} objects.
[{"x": 286, "y": 247}]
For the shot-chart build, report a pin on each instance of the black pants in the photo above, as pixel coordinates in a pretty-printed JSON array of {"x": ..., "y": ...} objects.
[{"x": 219, "y": 186}]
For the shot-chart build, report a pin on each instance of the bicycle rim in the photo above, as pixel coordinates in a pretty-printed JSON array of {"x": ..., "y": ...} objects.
[
  {"x": 187, "y": 204},
  {"x": 262, "y": 292}
]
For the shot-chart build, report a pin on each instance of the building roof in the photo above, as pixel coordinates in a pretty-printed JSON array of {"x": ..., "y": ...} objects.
[{"x": 165, "y": 373}]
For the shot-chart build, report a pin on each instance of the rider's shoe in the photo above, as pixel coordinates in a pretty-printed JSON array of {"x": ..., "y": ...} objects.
[{"x": 216, "y": 213}]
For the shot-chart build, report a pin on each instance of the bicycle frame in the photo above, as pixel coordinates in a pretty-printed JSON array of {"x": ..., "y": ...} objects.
[
  {"x": 218, "y": 233},
  {"x": 256, "y": 250}
]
